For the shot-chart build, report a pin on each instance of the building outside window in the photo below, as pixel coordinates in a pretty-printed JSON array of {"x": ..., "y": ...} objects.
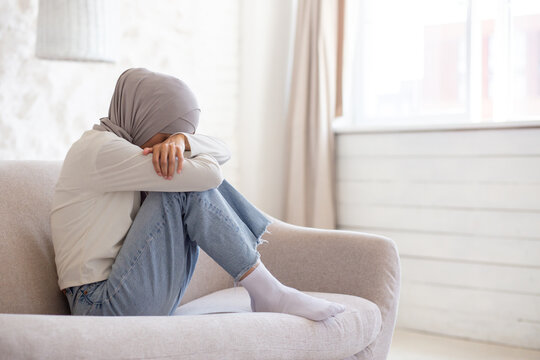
[{"x": 442, "y": 61}]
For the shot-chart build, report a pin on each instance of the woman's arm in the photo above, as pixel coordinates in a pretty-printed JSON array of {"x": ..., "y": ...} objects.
[
  {"x": 208, "y": 145},
  {"x": 121, "y": 166},
  {"x": 172, "y": 149}
]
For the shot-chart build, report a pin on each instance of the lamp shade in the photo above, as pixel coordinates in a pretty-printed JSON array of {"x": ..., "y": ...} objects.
[{"x": 75, "y": 30}]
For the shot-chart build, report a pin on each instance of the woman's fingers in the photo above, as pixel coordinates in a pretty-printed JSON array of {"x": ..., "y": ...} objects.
[
  {"x": 172, "y": 158},
  {"x": 180, "y": 155},
  {"x": 163, "y": 160},
  {"x": 155, "y": 159},
  {"x": 147, "y": 150},
  {"x": 180, "y": 159},
  {"x": 164, "y": 157}
]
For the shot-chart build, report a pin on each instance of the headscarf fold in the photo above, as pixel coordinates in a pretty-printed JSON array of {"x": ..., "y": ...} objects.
[{"x": 145, "y": 103}]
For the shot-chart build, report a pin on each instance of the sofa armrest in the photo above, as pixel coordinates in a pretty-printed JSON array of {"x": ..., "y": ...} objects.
[{"x": 338, "y": 261}]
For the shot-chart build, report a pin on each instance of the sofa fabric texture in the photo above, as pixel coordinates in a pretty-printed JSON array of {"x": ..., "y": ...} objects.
[{"x": 360, "y": 270}]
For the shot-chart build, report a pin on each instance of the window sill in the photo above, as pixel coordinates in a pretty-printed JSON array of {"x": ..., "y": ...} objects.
[{"x": 360, "y": 129}]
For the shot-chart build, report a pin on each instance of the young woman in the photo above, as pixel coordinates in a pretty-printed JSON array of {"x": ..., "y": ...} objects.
[{"x": 139, "y": 194}]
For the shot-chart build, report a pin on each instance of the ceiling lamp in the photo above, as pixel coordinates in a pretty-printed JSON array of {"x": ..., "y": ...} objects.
[{"x": 79, "y": 30}]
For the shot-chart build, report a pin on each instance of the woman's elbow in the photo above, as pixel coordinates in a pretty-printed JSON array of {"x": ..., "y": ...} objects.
[
  {"x": 209, "y": 172},
  {"x": 225, "y": 157},
  {"x": 215, "y": 177}
]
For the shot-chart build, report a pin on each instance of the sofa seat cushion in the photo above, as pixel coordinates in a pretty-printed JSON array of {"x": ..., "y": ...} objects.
[
  {"x": 242, "y": 335},
  {"x": 344, "y": 334}
]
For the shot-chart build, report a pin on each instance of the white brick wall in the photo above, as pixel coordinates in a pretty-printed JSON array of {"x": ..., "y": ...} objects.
[{"x": 46, "y": 105}]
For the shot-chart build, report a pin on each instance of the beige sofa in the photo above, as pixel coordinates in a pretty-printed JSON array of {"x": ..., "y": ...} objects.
[{"x": 214, "y": 320}]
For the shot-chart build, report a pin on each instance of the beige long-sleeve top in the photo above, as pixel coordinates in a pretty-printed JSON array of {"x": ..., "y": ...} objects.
[{"x": 97, "y": 197}]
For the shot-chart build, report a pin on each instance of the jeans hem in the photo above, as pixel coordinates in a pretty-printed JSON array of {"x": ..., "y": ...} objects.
[{"x": 260, "y": 240}]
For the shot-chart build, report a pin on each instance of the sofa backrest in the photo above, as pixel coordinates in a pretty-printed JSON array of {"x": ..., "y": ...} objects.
[{"x": 27, "y": 267}]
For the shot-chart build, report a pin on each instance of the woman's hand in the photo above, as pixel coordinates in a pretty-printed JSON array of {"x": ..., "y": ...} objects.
[{"x": 166, "y": 153}]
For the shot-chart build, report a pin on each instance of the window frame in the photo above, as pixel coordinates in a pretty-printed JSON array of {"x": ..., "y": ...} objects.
[{"x": 473, "y": 99}]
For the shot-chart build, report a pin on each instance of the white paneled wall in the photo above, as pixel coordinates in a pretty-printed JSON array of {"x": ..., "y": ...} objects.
[{"x": 464, "y": 209}]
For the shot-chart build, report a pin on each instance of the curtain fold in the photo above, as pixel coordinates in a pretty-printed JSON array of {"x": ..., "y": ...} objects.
[{"x": 310, "y": 175}]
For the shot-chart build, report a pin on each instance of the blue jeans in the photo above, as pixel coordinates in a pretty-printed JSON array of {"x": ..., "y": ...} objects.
[{"x": 159, "y": 253}]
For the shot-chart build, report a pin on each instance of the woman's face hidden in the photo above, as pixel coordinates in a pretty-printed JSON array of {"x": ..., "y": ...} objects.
[{"x": 156, "y": 139}]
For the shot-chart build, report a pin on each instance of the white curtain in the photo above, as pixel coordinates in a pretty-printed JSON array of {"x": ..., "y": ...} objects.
[{"x": 310, "y": 189}]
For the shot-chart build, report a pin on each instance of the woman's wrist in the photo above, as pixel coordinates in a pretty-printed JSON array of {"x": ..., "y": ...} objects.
[{"x": 185, "y": 140}]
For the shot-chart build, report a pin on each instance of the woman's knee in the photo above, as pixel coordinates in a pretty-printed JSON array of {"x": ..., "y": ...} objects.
[
  {"x": 166, "y": 195},
  {"x": 167, "y": 199}
]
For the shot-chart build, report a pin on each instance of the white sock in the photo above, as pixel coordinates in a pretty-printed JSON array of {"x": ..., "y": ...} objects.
[{"x": 269, "y": 295}]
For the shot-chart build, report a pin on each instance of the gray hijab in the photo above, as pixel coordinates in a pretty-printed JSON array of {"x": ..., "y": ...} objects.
[{"x": 145, "y": 103}]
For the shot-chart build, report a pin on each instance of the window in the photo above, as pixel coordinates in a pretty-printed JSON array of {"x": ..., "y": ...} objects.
[{"x": 442, "y": 61}]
